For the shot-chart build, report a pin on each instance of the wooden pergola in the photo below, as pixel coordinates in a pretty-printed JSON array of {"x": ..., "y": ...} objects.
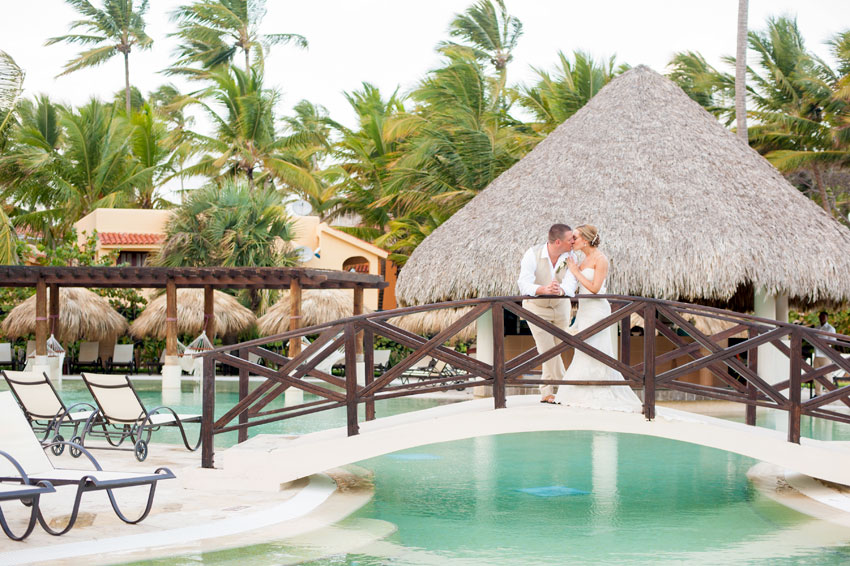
[{"x": 170, "y": 279}]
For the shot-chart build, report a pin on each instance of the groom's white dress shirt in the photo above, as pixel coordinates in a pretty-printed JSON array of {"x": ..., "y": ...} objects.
[{"x": 528, "y": 269}]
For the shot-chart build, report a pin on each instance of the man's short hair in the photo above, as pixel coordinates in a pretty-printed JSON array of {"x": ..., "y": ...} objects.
[
  {"x": 558, "y": 231},
  {"x": 823, "y": 313}
]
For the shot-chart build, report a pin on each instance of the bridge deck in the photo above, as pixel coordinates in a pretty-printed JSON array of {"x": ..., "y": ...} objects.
[{"x": 296, "y": 457}]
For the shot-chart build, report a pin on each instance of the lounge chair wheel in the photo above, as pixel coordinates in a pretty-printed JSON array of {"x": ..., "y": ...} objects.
[
  {"x": 57, "y": 449},
  {"x": 73, "y": 451},
  {"x": 141, "y": 450}
]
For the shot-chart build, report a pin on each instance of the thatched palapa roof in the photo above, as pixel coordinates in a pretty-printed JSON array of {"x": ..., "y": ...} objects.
[
  {"x": 685, "y": 209},
  {"x": 317, "y": 307},
  {"x": 83, "y": 315},
  {"x": 230, "y": 316},
  {"x": 430, "y": 322}
]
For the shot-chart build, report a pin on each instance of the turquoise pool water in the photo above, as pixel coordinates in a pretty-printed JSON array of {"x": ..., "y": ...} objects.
[
  {"x": 561, "y": 498},
  {"x": 188, "y": 401}
]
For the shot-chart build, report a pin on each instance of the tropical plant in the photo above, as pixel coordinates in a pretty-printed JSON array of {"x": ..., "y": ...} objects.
[
  {"x": 11, "y": 86},
  {"x": 64, "y": 163},
  {"x": 212, "y": 32},
  {"x": 490, "y": 34},
  {"x": 555, "y": 98},
  {"x": 116, "y": 28},
  {"x": 800, "y": 118},
  {"x": 150, "y": 146},
  {"x": 232, "y": 224},
  {"x": 714, "y": 90}
]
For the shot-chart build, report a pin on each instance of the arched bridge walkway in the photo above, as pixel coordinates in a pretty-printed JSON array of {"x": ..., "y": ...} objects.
[
  {"x": 673, "y": 348},
  {"x": 295, "y": 457}
]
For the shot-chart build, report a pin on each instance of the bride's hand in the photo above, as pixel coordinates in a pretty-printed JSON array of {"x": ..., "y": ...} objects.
[{"x": 572, "y": 266}]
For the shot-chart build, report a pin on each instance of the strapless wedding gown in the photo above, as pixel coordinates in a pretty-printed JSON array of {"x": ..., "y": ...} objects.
[{"x": 585, "y": 368}]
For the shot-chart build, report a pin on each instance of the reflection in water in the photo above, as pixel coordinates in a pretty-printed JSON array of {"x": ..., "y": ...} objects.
[{"x": 604, "y": 466}]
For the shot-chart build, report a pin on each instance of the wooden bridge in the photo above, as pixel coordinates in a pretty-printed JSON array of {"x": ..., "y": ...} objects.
[{"x": 735, "y": 379}]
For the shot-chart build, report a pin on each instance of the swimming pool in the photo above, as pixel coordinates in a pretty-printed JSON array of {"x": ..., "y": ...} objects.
[
  {"x": 561, "y": 498},
  {"x": 188, "y": 401}
]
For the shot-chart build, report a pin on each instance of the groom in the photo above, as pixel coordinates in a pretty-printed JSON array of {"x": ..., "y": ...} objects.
[{"x": 543, "y": 271}]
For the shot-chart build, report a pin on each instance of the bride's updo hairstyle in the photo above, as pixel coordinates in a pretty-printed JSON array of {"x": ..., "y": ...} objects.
[{"x": 590, "y": 233}]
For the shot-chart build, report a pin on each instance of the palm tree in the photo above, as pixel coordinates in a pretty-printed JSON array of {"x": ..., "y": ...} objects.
[
  {"x": 367, "y": 153},
  {"x": 246, "y": 142},
  {"x": 229, "y": 225},
  {"x": 741, "y": 72},
  {"x": 149, "y": 143},
  {"x": 116, "y": 28},
  {"x": 64, "y": 163},
  {"x": 11, "y": 86},
  {"x": 714, "y": 90},
  {"x": 489, "y": 34},
  {"x": 211, "y": 33},
  {"x": 799, "y": 116},
  {"x": 554, "y": 99}
]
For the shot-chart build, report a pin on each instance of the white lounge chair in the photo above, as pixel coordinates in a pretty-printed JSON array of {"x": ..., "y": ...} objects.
[
  {"x": 25, "y": 492},
  {"x": 123, "y": 415},
  {"x": 88, "y": 357},
  {"x": 33, "y": 465},
  {"x": 124, "y": 356},
  {"x": 6, "y": 356},
  {"x": 45, "y": 410}
]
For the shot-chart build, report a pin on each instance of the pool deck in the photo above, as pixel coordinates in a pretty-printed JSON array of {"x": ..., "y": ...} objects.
[{"x": 276, "y": 487}]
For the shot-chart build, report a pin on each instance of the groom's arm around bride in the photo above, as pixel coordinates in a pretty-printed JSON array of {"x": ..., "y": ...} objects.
[{"x": 543, "y": 271}]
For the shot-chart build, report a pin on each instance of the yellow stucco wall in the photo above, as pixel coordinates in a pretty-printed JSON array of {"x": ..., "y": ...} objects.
[
  {"x": 125, "y": 220},
  {"x": 334, "y": 247}
]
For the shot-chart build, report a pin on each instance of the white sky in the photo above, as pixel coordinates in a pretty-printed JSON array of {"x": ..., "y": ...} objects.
[{"x": 391, "y": 42}]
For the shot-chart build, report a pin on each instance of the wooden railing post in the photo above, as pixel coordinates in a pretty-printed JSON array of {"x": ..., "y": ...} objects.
[
  {"x": 753, "y": 364},
  {"x": 208, "y": 413},
  {"x": 794, "y": 386},
  {"x": 499, "y": 388},
  {"x": 243, "y": 391},
  {"x": 369, "y": 369},
  {"x": 649, "y": 361},
  {"x": 351, "y": 378}
]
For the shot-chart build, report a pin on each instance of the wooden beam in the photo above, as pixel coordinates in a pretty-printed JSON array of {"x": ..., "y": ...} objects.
[
  {"x": 170, "y": 319},
  {"x": 41, "y": 318},
  {"x": 294, "y": 316}
]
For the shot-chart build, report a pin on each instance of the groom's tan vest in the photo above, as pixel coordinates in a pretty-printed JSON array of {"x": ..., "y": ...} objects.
[{"x": 543, "y": 276}]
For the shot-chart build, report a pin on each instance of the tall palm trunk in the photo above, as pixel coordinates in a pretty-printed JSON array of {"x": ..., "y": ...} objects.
[
  {"x": 741, "y": 72},
  {"x": 127, "y": 82}
]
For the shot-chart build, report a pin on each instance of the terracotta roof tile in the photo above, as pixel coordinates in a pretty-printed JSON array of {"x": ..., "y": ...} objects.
[{"x": 128, "y": 239}]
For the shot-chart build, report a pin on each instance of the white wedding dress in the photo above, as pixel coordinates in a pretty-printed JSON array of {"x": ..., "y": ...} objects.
[{"x": 585, "y": 368}]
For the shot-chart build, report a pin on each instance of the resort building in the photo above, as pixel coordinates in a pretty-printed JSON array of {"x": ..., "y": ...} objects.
[{"x": 136, "y": 234}]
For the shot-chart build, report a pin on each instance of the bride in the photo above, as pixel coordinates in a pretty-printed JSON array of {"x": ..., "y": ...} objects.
[{"x": 591, "y": 275}]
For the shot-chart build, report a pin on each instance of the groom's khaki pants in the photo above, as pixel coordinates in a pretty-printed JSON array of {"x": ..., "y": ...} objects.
[{"x": 559, "y": 316}]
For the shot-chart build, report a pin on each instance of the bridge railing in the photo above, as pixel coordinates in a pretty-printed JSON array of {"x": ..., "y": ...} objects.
[{"x": 734, "y": 367}]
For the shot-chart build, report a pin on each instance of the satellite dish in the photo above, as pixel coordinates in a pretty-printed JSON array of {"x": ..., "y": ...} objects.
[
  {"x": 301, "y": 207},
  {"x": 304, "y": 254}
]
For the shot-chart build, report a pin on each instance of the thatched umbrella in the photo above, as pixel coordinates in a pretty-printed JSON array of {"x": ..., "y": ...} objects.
[
  {"x": 83, "y": 315},
  {"x": 431, "y": 322},
  {"x": 230, "y": 316},
  {"x": 685, "y": 210},
  {"x": 317, "y": 306}
]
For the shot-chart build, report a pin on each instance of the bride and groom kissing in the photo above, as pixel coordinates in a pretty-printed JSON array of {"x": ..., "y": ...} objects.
[{"x": 555, "y": 269}]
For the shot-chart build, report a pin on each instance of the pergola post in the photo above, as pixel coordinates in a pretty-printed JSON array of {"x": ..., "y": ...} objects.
[
  {"x": 209, "y": 313},
  {"x": 55, "y": 371},
  {"x": 358, "y": 338},
  {"x": 293, "y": 395},
  {"x": 54, "y": 309},
  {"x": 294, "y": 315},
  {"x": 41, "y": 326},
  {"x": 171, "y": 369}
]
